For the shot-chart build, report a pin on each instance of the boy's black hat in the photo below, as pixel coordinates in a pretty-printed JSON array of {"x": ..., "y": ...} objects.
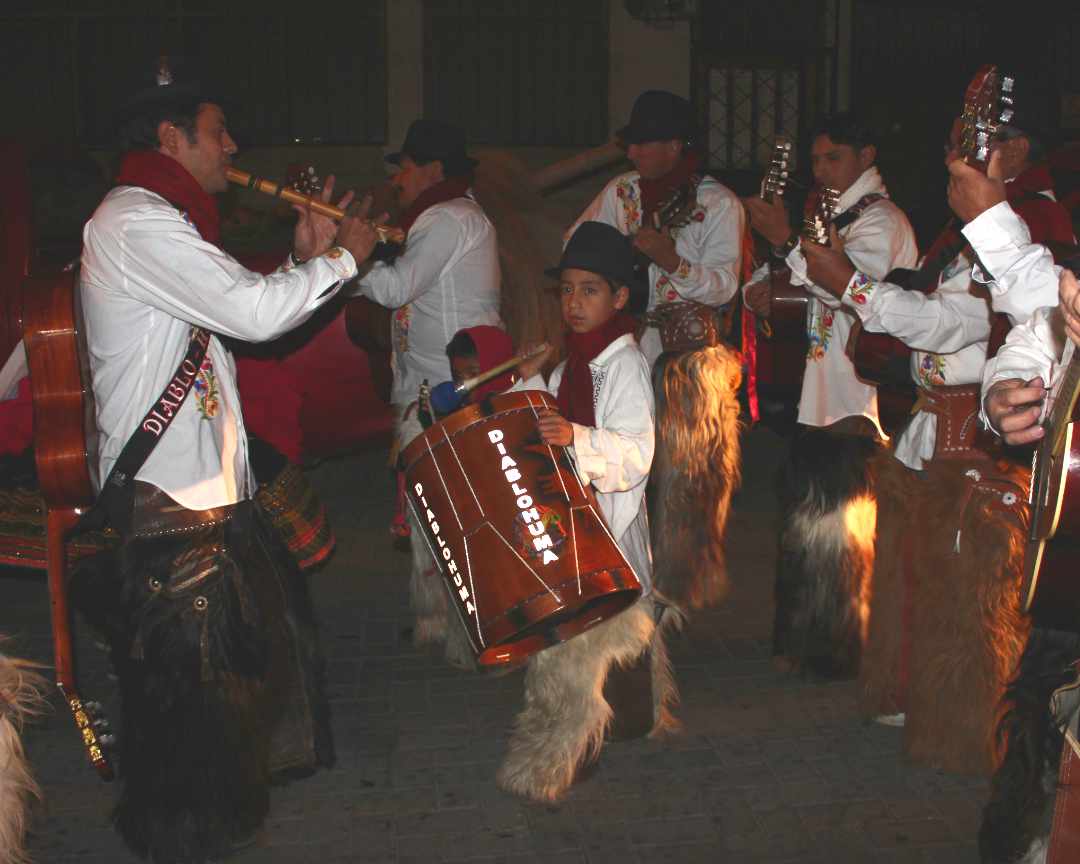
[
  {"x": 658, "y": 115},
  {"x": 598, "y": 248},
  {"x": 432, "y": 140}
]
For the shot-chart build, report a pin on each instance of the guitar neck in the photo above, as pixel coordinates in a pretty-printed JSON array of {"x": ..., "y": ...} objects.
[{"x": 1064, "y": 402}]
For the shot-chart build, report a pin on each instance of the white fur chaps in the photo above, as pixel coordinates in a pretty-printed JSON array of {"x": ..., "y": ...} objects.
[
  {"x": 21, "y": 695},
  {"x": 562, "y": 725}
]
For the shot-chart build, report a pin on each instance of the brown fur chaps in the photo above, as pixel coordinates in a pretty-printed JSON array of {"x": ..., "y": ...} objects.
[{"x": 946, "y": 631}]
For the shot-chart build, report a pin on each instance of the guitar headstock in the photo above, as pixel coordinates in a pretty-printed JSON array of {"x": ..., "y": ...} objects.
[
  {"x": 820, "y": 216},
  {"x": 776, "y": 177},
  {"x": 988, "y": 103}
]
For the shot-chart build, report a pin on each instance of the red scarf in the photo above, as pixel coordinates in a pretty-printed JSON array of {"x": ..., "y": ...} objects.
[
  {"x": 575, "y": 396},
  {"x": 168, "y": 178},
  {"x": 658, "y": 191},
  {"x": 447, "y": 190}
]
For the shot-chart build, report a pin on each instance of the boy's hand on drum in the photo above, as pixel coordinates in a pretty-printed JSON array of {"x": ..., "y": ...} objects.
[
  {"x": 534, "y": 362},
  {"x": 555, "y": 429}
]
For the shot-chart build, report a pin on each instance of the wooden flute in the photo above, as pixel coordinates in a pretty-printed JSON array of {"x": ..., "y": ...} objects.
[{"x": 387, "y": 233}]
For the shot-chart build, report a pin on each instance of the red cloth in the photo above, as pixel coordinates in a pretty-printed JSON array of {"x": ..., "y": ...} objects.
[
  {"x": 17, "y": 421},
  {"x": 658, "y": 191},
  {"x": 447, "y": 190},
  {"x": 1047, "y": 220},
  {"x": 575, "y": 395},
  {"x": 493, "y": 346},
  {"x": 172, "y": 181}
]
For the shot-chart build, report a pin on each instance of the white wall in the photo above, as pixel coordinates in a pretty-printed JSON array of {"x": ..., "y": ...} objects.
[{"x": 644, "y": 58}]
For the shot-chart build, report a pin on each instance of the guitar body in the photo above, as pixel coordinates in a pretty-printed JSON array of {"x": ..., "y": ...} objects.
[
  {"x": 1052, "y": 558},
  {"x": 55, "y": 345},
  {"x": 787, "y": 315}
]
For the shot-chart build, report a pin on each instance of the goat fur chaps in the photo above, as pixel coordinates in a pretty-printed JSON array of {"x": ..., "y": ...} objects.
[
  {"x": 694, "y": 471},
  {"x": 826, "y": 554},
  {"x": 562, "y": 725},
  {"x": 221, "y": 681},
  {"x": 946, "y": 630},
  {"x": 21, "y": 696}
]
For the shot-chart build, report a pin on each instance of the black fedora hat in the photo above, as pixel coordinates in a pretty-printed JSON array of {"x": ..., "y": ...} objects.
[
  {"x": 658, "y": 115},
  {"x": 167, "y": 83},
  {"x": 432, "y": 140},
  {"x": 598, "y": 248}
]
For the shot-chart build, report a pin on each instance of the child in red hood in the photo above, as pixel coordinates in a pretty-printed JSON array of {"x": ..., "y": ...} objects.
[{"x": 475, "y": 350}]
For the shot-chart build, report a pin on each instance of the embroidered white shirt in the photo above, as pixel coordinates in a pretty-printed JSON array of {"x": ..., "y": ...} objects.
[
  {"x": 616, "y": 454},
  {"x": 879, "y": 240},
  {"x": 1032, "y": 349},
  {"x": 948, "y": 330},
  {"x": 446, "y": 279},
  {"x": 147, "y": 276},
  {"x": 1020, "y": 275},
  {"x": 709, "y": 245}
]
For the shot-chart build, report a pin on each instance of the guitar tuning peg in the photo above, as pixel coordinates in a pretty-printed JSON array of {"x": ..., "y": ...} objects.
[
  {"x": 1007, "y": 84},
  {"x": 1007, "y": 115},
  {"x": 92, "y": 706},
  {"x": 107, "y": 740}
]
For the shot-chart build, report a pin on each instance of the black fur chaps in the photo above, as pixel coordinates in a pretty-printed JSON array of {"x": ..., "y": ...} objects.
[
  {"x": 1016, "y": 819},
  {"x": 221, "y": 682},
  {"x": 826, "y": 552}
]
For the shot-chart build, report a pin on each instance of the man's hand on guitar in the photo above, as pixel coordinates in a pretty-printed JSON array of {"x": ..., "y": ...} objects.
[
  {"x": 759, "y": 298},
  {"x": 1069, "y": 296},
  {"x": 657, "y": 246},
  {"x": 357, "y": 232},
  {"x": 1014, "y": 406},
  {"x": 314, "y": 233},
  {"x": 827, "y": 266},
  {"x": 971, "y": 192},
  {"x": 769, "y": 219}
]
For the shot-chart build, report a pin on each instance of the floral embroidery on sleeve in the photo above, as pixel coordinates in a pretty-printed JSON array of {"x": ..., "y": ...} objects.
[
  {"x": 206, "y": 390},
  {"x": 626, "y": 190},
  {"x": 400, "y": 328},
  {"x": 931, "y": 371},
  {"x": 664, "y": 290},
  {"x": 862, "y": 286},
  {"x": 819, "y": 333}
]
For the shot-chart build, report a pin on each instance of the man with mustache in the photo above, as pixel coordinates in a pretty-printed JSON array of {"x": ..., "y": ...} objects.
[{"x": 206, "y": 614}]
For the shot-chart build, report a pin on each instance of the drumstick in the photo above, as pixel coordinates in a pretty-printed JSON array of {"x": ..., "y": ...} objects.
[
  {"x": 387, "y": 233},
  {"x": 448, "y": 396},
  {"x": 495, "y": 371}
]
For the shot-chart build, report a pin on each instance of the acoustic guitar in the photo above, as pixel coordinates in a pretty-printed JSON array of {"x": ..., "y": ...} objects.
[
  {"x": 65, "y": 439},
  {"x": 882, "y": 359},
  {"x": 1052, "y": 555}
]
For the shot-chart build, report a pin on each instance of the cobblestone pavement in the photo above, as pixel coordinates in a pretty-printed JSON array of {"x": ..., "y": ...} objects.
[{"x": 767, "y": 769}]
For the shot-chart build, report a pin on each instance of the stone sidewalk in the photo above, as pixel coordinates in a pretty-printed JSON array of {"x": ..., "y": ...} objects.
[{"x": 767, "y": 769}]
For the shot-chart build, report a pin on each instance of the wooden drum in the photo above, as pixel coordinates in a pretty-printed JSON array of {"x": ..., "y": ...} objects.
[{"x": 526, "y": 555}]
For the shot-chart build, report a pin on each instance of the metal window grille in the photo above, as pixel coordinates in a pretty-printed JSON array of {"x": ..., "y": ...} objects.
[{"x": 746, "y": 107}]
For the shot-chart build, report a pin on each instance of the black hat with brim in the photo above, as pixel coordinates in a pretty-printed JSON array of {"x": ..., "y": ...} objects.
[
  {"x": 598, "y": 248},
  {"x": 658, "y": 115},
  {"x": 431, "y": 141},
  {"x": 165, "y": 87}
]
